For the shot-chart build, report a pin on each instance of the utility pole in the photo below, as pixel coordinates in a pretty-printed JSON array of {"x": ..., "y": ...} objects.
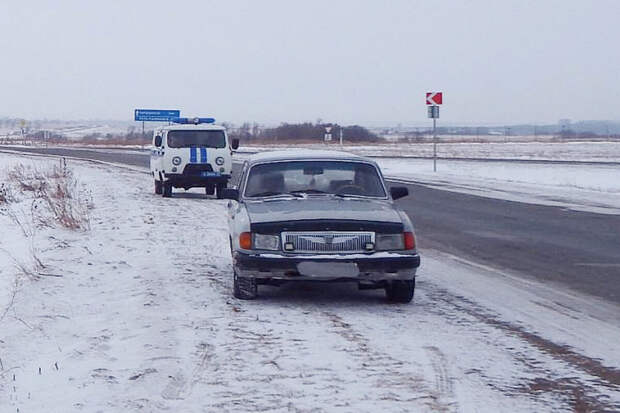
[{"x": 341, "y": 128}]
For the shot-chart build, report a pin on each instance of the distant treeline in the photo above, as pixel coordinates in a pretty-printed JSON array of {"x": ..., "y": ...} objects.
[{"x": 311, "y": 132}]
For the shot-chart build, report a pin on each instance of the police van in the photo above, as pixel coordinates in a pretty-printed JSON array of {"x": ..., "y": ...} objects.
[{"x": 193, "y": 152}]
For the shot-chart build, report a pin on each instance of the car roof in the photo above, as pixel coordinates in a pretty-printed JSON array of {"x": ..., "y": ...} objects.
[{"x": 305, "y": 154}]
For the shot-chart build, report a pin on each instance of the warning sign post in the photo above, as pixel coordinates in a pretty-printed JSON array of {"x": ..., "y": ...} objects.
[{"x": 433, "y": 99}]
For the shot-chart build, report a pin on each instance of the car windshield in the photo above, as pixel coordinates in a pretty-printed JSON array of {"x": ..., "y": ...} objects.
[
  {"x": 314, "y": 177},
  {"x": 196, "y": 138}
]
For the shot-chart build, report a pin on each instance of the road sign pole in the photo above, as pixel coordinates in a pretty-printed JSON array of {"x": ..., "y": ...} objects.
[
  {"x": 434, "y": 144},
  {"x": 433, "y": 99}
]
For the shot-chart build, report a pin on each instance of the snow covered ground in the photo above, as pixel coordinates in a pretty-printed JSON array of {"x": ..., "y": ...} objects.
[
  {"x": 592, "y": 151},
  {"x": 136, "y": 314}
]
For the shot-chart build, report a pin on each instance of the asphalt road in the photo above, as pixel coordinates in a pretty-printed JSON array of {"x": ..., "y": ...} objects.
[{"x": 578, "y": 249}]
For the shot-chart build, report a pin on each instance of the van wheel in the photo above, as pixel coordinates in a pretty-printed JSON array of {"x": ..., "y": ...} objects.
[
  {"x": 219, "y": 190},
  {"x": 209, "y": 189},
  {"x": 167, "y": 190},
  {"x": 158, "y": 187},
  {"x": 244, "y": 288},
  {"x": 400, "y": 291}
]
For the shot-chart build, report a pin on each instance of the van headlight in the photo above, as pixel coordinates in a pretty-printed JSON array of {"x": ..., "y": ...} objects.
[
  {"x": 266, "y": 242},
  {"x": 176, "y": 160},
  {"x": 389, "y": 242},
  {"x": 219, "y": 161}
]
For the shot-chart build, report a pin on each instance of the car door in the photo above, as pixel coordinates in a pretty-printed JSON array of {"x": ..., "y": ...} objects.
[
  {"x": 238, "y": 220},
  {"x": 156, "y": 154}
]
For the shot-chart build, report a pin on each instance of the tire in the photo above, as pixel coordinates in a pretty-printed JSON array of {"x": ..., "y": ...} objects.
[
  {"x": 244, "y": 288},
  {"x": 209, "y": 189},
  {"x": 167, "y": 190},
  {"x": 400, "y": 291},
  {"x": 158, "y": 187},
  {"x": 219, "y": 188}
]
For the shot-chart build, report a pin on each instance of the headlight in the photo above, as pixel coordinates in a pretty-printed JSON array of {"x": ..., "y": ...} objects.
[
  {"x": 176, "y": 160},
  {"x": 266, "y": 242},
  {"x": 219, "y": 160},
  {"x": 386, "y": 242}
]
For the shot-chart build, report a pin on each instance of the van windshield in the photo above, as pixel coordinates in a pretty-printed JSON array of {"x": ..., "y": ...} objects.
[{"x": 196, "y": 138}]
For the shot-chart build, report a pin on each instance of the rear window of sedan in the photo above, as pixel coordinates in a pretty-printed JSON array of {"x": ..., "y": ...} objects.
[{"x": 329, "y": 177}]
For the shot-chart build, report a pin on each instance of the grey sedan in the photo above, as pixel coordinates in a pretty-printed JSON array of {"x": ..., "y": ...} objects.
[{"x": 319, "y": 216}]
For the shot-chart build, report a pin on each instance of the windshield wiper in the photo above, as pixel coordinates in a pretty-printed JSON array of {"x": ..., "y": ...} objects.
[
  {"x": 318, "y": 191},
  {"x": 350, "y": 196},
  {"x": 272, "y": 193},
  {"x": 309, "y": 191}
]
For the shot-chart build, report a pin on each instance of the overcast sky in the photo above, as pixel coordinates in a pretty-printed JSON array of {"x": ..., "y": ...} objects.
[{"x": 366, "y": 62}]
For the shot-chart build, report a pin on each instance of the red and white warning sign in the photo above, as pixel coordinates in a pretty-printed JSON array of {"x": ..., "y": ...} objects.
[{"x": 434, "y": 98}]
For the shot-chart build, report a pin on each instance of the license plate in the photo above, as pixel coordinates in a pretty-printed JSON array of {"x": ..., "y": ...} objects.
[
  {"x": 208, "y": 174},
  {"x": 328, "y": 269}
]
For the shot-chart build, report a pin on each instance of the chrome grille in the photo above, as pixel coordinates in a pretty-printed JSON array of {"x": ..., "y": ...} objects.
[{"x": 326, "y": 242}]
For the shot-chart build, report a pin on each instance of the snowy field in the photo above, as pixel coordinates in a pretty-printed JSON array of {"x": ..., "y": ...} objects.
[
  {"x": 133, "y": 311},
  {"x": 558, "y": 151}
]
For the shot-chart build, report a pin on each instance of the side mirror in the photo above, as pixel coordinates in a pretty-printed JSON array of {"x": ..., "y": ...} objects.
[
  {"x": 230, "y": 193},
  {"x": 235, "y": 144},
  {"x": 158, "y": 141},
  {"x": 398, "y": 192}
]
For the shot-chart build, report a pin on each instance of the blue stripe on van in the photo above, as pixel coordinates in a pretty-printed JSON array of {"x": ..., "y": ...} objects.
[
  {"x": 203, "y": 155},
  {"x": 192, "y": 155}
]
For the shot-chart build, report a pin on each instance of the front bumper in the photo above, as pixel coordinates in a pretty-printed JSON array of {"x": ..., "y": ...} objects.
[
  {"x": 183, "y": 180},
  {"x": 372, "y": 267}
]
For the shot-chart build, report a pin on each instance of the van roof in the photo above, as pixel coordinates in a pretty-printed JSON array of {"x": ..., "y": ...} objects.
[{"x": 200, "y": 126}]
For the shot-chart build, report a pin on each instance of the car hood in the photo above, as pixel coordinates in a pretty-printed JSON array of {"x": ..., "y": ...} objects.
[{"x": 322, "y": 208}]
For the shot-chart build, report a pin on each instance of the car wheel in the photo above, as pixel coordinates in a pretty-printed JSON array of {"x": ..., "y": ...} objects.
[
  {"x": 158, "y": 187},
  {"x": 209, "y": 189},
  {"x": 400, "y": 291},
  {"x": 244, "y": 288},
  {"x": 167, "y": 191},
  {"x": 219, "y": 190}
]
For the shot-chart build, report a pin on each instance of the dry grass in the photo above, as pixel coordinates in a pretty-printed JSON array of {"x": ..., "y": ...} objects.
[
  {"x": 6, "y": 194},
  {"x": 55, "y": 196}
]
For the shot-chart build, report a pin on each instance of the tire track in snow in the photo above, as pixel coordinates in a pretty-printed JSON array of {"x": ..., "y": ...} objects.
[
  {"x": 584, "y": 393},
  {"x": 391, "y": 372},
  {"x": 443, "y": 382}
]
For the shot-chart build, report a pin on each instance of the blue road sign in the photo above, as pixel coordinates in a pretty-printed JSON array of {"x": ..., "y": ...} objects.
[{"x": 155, "y": 115}]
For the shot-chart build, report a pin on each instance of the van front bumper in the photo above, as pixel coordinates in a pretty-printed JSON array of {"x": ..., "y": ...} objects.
[{"x": 185, "y": 180}]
